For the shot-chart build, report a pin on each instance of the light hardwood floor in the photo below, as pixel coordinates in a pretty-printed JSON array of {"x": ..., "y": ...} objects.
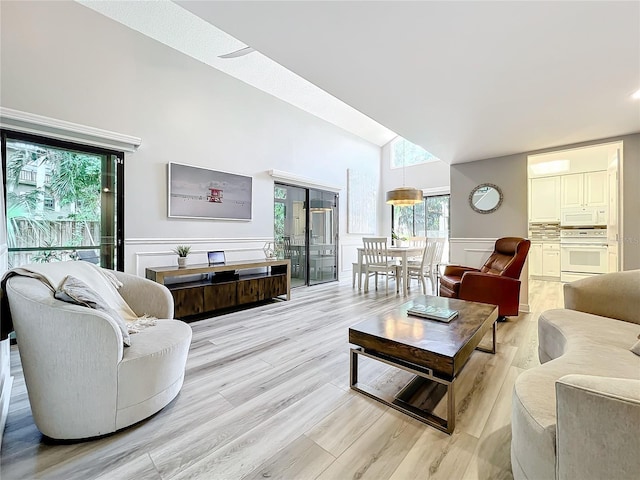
[{"x": 266, "y": 395}]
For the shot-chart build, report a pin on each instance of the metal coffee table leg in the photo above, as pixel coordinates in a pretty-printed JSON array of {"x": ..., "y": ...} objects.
[{"x": 493, "y": 348}]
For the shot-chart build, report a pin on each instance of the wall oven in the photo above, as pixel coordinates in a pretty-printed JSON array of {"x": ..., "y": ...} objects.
[{"x": 583, "y": 253}]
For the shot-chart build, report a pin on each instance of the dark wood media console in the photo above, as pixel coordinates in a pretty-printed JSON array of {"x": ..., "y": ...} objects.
[{"x": 203, "y": 296}]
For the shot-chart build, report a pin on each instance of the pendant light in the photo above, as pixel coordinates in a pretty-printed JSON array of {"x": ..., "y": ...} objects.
[{"x": 404, "y": 196}]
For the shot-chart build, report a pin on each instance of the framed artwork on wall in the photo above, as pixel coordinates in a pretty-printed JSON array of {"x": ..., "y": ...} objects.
[
  {"x": 198, "y": 192},
  {"x": 362, "y": 198}
]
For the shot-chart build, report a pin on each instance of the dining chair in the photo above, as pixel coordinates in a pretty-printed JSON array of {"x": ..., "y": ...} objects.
[
  {"x": 431, "y": 257},
  {"x": 436, "y": 260},
  {"x": 291, "y": 254},
  {"x": 417, "y": 242},
  {"x": 377, "y": 261},
  {"x": 421, "y": 269}
]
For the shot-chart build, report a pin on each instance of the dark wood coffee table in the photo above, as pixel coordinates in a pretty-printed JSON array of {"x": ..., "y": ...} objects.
[{"x": 434, "y": 351}]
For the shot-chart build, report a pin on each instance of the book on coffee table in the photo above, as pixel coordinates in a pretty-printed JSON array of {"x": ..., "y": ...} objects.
[{"x": 433, "y": 313}]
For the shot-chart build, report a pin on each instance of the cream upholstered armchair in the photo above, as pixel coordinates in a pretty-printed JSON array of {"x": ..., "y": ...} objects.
[{"x": 82, "y": 382}]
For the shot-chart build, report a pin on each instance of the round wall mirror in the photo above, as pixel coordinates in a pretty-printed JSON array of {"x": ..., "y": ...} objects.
[{"x": 485, "y": 198}]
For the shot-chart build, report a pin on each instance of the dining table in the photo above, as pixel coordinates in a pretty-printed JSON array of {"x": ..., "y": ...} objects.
[{"x": 403, "y": 253}]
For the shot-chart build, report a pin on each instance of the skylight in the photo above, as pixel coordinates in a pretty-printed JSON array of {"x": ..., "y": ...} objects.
[{"x": 404, "y": 154}]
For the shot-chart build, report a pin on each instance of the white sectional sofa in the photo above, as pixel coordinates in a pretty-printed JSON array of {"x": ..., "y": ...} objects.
[{"x": 577, "y": 416}]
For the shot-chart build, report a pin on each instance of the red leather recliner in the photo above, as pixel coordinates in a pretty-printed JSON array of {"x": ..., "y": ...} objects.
[{"x": 497, "y": 282}]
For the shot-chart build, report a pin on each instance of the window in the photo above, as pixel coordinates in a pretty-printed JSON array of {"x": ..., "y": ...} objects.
[
  {"x": 404, "y": 153},
  {"x": 427, "y": 219},
  {"x": 63, "y": 201}
]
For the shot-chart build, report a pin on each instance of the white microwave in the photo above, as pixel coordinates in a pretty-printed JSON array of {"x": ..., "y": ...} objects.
[{"x": 583, "y": 217}]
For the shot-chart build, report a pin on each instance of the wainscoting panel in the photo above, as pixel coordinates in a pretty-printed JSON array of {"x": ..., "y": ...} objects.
[
  {"x": 471, "y": 252},
  {"x": 141, "y": 253},
  {"x": 349, "y": 255}
]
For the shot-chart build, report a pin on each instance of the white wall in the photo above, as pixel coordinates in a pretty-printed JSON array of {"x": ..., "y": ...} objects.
[
  {"x": 425, "y": 176},
  {"x": 65, "y": 61}
]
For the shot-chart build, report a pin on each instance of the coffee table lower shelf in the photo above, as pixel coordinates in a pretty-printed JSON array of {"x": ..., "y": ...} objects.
[{"x": 400, "y": 401}]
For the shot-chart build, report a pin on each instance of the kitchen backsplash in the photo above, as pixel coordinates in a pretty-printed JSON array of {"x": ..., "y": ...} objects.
[{"x": 544, "y": 231}]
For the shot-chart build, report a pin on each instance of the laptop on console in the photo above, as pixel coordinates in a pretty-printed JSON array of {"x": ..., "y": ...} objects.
[{"x": 216, "y": 258}]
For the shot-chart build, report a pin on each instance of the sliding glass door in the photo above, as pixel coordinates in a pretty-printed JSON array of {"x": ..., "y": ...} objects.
[
  {"x": 323, "y": 258},
  {"x": 290, "y": 229},
  {"x": 305, "y": 231}
]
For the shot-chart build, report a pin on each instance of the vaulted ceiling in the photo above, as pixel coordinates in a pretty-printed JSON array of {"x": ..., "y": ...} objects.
[{"x": 465, "y": 80}]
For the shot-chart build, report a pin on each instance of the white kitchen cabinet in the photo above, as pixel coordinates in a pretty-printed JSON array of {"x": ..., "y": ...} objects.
[
  {"x": 572, "y": 188},
  {"x": 595, "y": 189},
  {"x": 551, "y": 260},
  {"x": 544, "y": 260},
  {"x": 584, "y": 190},
  {"x": 535, "y": 260},
  {"x": 544, "y": 199}
]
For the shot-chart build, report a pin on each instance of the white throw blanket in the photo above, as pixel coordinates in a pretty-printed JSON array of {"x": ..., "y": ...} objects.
[
  {"x": 95, "y": 277},
  {"x": 103, "y": 282}
]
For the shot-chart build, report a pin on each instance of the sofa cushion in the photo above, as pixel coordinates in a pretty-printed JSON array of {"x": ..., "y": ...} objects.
[
  {"x": 613, "y": 295},
  {"x": 152, "y": 366},
  {"x": 561, "y": 330},
  {"x": 578, "y": 343}
]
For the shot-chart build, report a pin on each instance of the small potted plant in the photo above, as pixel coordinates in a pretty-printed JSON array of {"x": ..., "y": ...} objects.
[
  {"x": 400, "y": 241},
  {"x": 182, "y": 251}
]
